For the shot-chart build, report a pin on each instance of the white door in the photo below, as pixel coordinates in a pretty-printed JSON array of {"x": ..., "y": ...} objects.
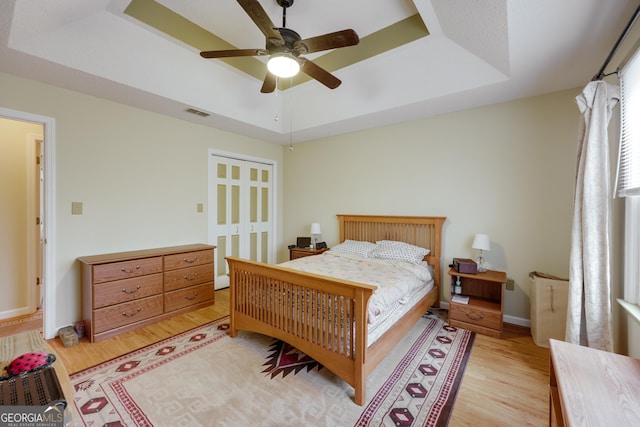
[
  {"x": 40, "y": 231},
  {"x": 36, "y": 223},
  {"x": 240, "y": 211},
  {"x": 259, "y": 212}
]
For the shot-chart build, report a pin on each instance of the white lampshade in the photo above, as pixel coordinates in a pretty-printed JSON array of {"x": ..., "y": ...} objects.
[
  {"x": 283, "y": 65},
  {"x": 482, "y": 242},
  {"x": 315, "y": 228}
]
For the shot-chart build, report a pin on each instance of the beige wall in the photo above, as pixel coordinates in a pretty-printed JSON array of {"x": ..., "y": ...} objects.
[
  {"x": 506, "y": 170},
  {"x": 14, "y": 149},
  {"x": 138, "y": 174}
]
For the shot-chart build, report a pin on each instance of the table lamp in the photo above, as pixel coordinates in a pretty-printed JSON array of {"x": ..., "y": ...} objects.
[{"x": 315, "y": 233}]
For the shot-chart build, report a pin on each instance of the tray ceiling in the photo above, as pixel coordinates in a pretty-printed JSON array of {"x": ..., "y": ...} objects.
[{"x": 416, "y": 58}]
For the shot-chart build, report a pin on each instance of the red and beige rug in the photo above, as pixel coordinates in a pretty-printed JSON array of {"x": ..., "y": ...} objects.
[{"x": 205, "y": 378}]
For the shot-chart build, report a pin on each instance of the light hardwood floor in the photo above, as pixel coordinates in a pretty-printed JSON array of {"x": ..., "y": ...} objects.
[{"x": 506, "y": 382}]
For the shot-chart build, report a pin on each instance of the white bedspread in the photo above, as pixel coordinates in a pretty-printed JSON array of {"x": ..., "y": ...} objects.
[{"x": 395, "y": 280}]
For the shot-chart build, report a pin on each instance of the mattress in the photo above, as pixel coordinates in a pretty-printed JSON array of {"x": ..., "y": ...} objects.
[
  {"x": 385, "y": 321},
  {"x": 397, "y": 283}
]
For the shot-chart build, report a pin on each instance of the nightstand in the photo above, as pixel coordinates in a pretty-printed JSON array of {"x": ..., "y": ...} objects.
[
  {"x": 302, "y": 252},
  {"x": 484, "y": 308}
]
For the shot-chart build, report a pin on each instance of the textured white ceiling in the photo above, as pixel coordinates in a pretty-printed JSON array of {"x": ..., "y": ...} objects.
[{"x": 478, "y": 52}]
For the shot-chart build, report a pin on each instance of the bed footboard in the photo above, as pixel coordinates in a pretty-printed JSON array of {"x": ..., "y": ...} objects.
[{"x": 323, "y": 317}]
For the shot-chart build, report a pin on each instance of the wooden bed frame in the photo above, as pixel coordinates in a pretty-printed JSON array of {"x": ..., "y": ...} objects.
[{"x": 326, "y": 318}]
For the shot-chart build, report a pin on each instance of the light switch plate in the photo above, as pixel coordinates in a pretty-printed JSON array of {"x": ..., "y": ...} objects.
[
  {"x": 76, "y": 208},
  {"x": 200, "y": 207}
]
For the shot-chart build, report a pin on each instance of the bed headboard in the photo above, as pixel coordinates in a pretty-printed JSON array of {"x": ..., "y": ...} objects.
[{"x": 423, "y": 231}]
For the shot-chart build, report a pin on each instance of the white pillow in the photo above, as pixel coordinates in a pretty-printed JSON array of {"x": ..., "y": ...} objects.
[
  {"x": 400, "y": 251},
  {"x": 354, "y": 247}
]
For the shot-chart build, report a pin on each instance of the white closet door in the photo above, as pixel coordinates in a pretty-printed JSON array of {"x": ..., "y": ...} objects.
[
  {"x": 259, "y": 210},
  {"x": 240, "y": 211}
]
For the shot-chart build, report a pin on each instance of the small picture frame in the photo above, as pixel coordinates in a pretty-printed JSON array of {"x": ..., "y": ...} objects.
[
  {"x": 321, "y": 245},
  {"x": 303, "y": 242}
]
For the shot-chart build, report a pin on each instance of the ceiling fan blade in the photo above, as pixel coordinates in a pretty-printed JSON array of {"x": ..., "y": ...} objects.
[
  {"x": 269, "y": 84},
  {"x": 262, "y": 20},
  {"x": 329, "y": 41},
  {"x": 232, "y": 53},
  {"x": 320, "y": 74}
]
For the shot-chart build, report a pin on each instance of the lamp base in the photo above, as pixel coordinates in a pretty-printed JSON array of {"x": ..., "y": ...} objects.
[{"x": 481, "y": 267}]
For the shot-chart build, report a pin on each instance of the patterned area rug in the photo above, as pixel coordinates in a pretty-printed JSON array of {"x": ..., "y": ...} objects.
[{"x": 205, "y": 378}]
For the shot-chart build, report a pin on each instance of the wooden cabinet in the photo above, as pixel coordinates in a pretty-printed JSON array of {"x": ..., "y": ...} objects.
[
  {"x": 302, "y": 252},
  {"x": 128, "y": 290},
  {"x": 589, "y": 387},
  {"x": 483, "y": 308}
]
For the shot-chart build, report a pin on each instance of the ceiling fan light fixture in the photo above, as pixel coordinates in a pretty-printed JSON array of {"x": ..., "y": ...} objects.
[{"x": 283, "y": 65}]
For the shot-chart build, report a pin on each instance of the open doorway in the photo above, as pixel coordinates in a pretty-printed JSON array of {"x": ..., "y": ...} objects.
[{"x": 26, "y": 200}]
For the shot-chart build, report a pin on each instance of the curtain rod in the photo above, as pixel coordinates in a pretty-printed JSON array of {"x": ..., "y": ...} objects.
[{"x": 600, "y": 74}]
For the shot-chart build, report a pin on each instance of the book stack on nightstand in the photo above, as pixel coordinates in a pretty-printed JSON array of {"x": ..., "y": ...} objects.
[{"x": 479, "y": 306}]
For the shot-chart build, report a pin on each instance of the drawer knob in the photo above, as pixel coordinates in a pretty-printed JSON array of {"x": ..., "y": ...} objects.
[
  {"x": 472, "y": 317},
  {"x": 187, "y": 297},
  {"x": 130, "y": 271},
  {"x": 133, "y": 291},
  {"x": 138, "y": 310},
  {"x": 190, "y": 260},
  {"x": 191, "y": 278}
]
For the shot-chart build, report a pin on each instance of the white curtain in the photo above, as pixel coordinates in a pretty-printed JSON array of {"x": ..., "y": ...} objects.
[{"x": 589, "y": 310}]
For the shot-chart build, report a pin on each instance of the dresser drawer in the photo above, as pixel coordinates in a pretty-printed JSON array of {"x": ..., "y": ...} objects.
[
  {"x": 475, "y": 315},
  {"x": 126, "y": 269},
  {"x": 185, "y": 277},
  {"x": 126, "y": 313},
  {"x": 110, "y": 293},
  {"x": 190, "y": 296},
  {"x": 188, "y": 259}
]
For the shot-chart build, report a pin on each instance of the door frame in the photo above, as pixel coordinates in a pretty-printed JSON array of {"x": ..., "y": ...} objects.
[
  {"x": 48, "y": 217},
  {"x": 274, "y": 193}
]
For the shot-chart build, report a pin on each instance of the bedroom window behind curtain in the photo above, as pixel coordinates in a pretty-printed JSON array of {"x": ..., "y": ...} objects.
[
  {"x": 628, "y": 176},
  {"x": 628, "y": 180}
]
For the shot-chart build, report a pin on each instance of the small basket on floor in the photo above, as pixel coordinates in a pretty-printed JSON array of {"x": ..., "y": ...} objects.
[{"x": 35, "y": 388}]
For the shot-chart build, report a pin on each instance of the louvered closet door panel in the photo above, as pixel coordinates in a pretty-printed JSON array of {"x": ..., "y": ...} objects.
[
  {"x": 240, "y": 211},
  {"x": 227, "y": 212},
  {"x": 260, "y": 182}
]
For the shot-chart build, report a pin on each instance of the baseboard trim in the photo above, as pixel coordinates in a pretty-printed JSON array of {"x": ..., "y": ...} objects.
[{"x": 516, "y": 321}]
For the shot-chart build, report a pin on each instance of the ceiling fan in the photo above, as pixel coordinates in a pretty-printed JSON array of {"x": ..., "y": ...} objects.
[{"x": 285, "y": 46}]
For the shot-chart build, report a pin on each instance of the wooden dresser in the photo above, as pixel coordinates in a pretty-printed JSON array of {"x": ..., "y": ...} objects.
[
  {"x": 591, "y": 387},
  {"x": 128, "y": 290}
]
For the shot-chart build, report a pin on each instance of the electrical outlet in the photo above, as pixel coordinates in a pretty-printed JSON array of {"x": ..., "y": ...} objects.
[
  {"x": 200, "y": 207},
  {"x": 510, "y": 285}
]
